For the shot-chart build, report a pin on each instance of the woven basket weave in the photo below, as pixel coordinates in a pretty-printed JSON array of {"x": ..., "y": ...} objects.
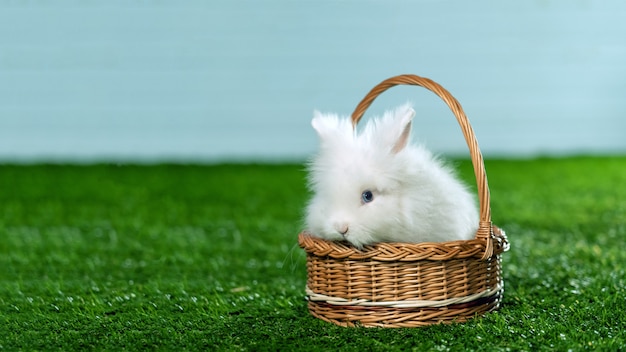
[{"x": 409, "y": 284}]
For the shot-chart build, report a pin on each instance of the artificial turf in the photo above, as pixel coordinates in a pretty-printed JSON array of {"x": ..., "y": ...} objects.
[{"x": 190, "y": 257}]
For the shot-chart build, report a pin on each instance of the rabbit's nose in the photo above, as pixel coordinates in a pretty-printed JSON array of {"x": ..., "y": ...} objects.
[{"x": 342, "y": 228}]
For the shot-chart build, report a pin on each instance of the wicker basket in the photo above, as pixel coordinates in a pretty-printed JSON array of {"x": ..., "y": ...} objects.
[{"x": 409, "y": 284}]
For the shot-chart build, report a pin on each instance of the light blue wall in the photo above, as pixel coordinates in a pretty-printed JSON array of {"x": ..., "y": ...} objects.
[{"x": 212, "y": 80}]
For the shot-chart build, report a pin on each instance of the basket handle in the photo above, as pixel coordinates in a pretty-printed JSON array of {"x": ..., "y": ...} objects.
[{"x": 484, "y": 227}]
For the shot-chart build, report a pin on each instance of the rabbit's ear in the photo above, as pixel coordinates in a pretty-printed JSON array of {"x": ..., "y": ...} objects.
[
  {"x": 403, "y": 118},
  {"x": 330, "y": 127},
  {"x": 321, "y": 124},
  {"x": 393, "y": 130}
]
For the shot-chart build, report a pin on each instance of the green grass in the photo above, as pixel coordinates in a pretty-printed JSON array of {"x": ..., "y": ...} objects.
[{"x": 176, "y": 257}]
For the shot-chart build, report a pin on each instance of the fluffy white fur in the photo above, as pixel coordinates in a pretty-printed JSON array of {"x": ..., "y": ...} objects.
[{"x": 416, "y": 198}]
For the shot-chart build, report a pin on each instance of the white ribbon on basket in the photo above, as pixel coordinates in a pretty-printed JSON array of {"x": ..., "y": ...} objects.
[{"x": 338, "y": 301}]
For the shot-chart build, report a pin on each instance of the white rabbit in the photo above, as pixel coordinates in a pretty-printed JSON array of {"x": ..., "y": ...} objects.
[{"x": 377, "y": 187}]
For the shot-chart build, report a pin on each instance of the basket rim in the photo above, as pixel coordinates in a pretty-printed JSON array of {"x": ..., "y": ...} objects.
[
  {"x": 407, "y": 252},
  {"x": 484, "y": 231}
]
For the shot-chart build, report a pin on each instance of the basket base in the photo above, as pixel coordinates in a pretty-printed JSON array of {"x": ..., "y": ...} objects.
[{"x": 389, "y": 317}]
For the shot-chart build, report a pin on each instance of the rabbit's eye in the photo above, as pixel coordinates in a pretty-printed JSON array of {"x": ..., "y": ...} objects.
[{"x": 367, "y": 196}]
